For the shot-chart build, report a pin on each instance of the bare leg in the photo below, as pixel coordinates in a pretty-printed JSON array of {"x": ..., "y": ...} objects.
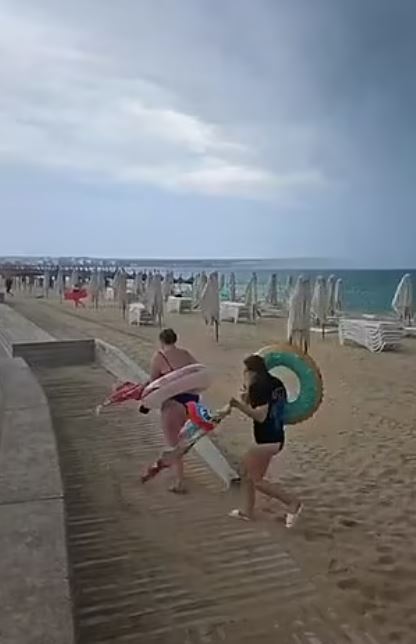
[
  {"x": 250, "y": 465},
  {"x": 173, "y": 419},
  {"x": 276, "y": 491},
  {"x": 255, "y": 462},
  {"x": 249, "y": 497},
  {"x": 178, "y": 485}
]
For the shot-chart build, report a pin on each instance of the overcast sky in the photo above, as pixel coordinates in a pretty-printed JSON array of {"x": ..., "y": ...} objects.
[{"x": 216, "y": 128}]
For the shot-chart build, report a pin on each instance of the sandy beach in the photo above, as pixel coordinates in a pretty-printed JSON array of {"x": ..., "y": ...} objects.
[{"x": 353, "y": 463}]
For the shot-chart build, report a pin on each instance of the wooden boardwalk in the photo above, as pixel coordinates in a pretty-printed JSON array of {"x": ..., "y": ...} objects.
[{"x": 148, "y": 566}]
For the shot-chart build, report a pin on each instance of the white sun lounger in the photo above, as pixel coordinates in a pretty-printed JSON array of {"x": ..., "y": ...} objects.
[
  {"x": 234, "y": 312},
  {"x": 135, "y": 312},
  {"x": 179, "y": 304},
  {"x": 109, "y": 294},
  {"x": 375, "y": 335},
  {"x": 138, "y": 314},
  {"x": 329, "y": 330}
]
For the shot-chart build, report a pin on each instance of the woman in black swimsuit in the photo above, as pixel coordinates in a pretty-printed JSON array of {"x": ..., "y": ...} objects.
[{"x": 262, "y": 400}]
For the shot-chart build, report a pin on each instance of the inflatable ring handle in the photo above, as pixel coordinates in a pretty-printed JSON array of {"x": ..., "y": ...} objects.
[{"x": 308, "y": 374}]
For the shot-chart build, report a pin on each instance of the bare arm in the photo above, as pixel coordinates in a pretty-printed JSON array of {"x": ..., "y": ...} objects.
[
  {"x": 220, "y": 414},
  {"x": 190, "y": 357},
  {"x": 155, "y": 371},
  {"x": 259, "y": 414}
]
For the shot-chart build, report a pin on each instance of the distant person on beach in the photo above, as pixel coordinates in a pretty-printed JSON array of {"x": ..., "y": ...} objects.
[
  {"x": 77, "y": 295},
  {"x": 262, "y": 399},
  {"x": 9, "y": 285},
  {"x": 169, "y": 358}
]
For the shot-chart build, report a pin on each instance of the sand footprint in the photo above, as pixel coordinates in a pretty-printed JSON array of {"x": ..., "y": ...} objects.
[
  {"x": 349, "y": 523},
  {"x": 386, "y": 560},
  {"x": 349, "y": 583},
  {"x": 384, "y": 549}
]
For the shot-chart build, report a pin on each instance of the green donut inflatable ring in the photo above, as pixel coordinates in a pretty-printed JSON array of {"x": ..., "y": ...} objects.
[{"x": 308, "y": 374}]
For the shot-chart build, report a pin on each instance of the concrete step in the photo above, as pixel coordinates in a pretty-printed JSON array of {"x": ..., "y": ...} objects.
[{"x": 15, "y": 328}]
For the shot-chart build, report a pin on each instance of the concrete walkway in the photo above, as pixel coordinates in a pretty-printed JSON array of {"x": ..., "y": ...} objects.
[{"x": 15, "y": 328}]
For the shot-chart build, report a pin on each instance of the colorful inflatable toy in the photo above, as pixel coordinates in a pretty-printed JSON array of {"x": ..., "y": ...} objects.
[
  {"x": 151, "y": 395},
  {"x": 192, "y": 378},
  {"x": 308, "y": 374},
  {"x": 76, "y": 295},
  {"x": 122, "y": 393},
  {"x": 200, "y": 422}
]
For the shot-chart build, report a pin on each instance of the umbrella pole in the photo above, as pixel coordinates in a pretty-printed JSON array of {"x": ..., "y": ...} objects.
[{"x": 216, "y": 330}]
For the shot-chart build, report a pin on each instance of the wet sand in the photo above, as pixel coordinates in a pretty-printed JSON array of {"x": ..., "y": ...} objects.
[{"x": 353, "y": 463}]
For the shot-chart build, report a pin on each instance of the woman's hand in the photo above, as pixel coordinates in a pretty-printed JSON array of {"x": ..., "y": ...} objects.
[
  {"x": 222, "y": 413},
  {"x": 259, "y": 414},
  {"x": 243, "y": 394}
]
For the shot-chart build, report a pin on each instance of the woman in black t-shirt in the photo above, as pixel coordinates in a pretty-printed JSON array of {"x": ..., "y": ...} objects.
[{"x": 262, "y": 399}]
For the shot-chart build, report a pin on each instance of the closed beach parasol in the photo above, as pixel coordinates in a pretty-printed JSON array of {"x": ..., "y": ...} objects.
[
  {"x": 232, "y": 287},
  {"x": 199, "y": 288},
  {"x": 168, "y": 285},
  {"x": 319, "y": 303},
  {"x": 46, "y": 283},
  {"x": 94, "y": 288},
  {"x": 196, "y": 295},
  {"x": 115, "y": 282},
  {"x": 339, "y": 296},
  {"x": 271, "y": 297},
  {"x": 299, "y": 321},
  {"x": 330, "y": 288},
  {"x": 101, "y": 281},
  {"x": 121, "y": 290},
  {"x": 255, "y": 289},
  {"x": 288, "y": 288},
  {"x": 74, "y": 278},
  {"x": 210, "y": 303},
  {"x": 249, "y": 300},
  {"x": 138, "y": 284},
  {"x": 402, "y": 302},
  {"x": 154, "y": 298},
  {"x": 60, "y": 283},
  {"x": 203, "y": 281}
]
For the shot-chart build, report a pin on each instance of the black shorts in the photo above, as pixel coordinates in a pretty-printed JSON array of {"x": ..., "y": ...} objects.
[
  {"x": 184, "y": 399},
  {"x": 267, "y": 435}
]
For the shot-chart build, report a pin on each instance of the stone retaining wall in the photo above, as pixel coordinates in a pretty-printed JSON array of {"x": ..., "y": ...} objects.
[
  {"x": 35, "y": 605},
  {"x": 62, "y": 353}
]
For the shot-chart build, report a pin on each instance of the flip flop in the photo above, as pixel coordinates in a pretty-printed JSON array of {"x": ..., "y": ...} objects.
[
  {"x": 237, "y": 514},
  {"x": 178, "y": 489},
  {"x": 292, "y": 517}
]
